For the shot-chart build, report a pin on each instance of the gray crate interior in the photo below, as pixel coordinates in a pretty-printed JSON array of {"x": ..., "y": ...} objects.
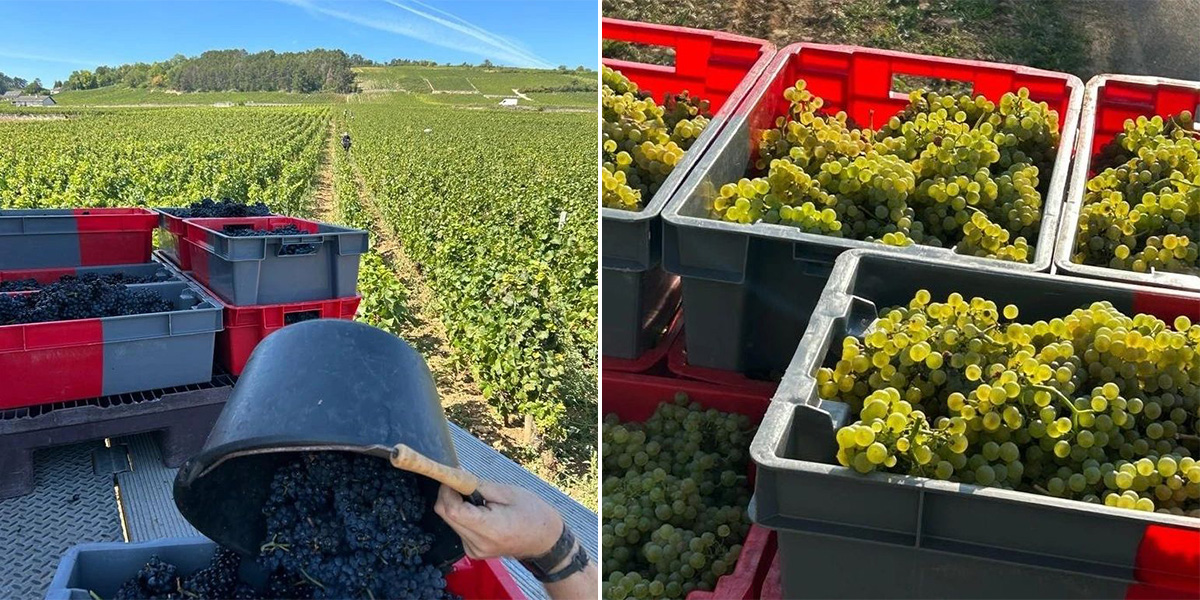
[
  {"x": 168, "y": 242},
  {"x": 246, "y": 271},
  {"x": 1069, "y": 224},
  {"x": 634, "y": 281},
  {"x": 748, "y": 289},
  {"x": 930, "y": 535}
]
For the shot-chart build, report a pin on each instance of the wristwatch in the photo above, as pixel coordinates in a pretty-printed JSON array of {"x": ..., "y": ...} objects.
[{"x": 540, "y": 566}]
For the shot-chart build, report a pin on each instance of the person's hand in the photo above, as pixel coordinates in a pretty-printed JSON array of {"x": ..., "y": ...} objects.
[{"x": 514, "y": 523}]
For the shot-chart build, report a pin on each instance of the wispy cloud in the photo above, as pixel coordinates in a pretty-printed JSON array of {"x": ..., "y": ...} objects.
[
  {"x": 442, "y": 29},
  {"x": 49, "y": 59}
]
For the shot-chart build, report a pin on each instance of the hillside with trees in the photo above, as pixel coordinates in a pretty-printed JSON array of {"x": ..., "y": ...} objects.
[{"x": 310, "y": 71}]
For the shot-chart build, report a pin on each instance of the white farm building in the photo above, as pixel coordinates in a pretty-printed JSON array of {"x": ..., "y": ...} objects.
[{"x": 33, "y": 101}]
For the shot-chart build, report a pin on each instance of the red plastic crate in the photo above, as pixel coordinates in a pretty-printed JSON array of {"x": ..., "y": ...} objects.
[
  {"x": 860, "y": 81},
  {"x": 678, "y": 365},
  {"x": 708, "y": 64},
  {"x": 483, "y": 580},
  {"x": 1109, "y": 101},
  {"x": 1119, "y": 98},
  {"x": 51, "y": 362},
  {"x": 634, "y": 397},
  {"x": 651, "y": 361},
  {"x": 87, "y": 237},
  {"x": 246, "y": 326}
]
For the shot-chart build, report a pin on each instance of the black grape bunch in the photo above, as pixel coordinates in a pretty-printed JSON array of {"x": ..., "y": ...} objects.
[
  {"x": 338, "y": 525},
  {"x": 87, "y": 297},
  {"x": 224, "y": 208}
]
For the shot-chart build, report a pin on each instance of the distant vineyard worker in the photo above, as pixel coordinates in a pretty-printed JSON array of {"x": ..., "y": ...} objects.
[
  {"x": 516, "y": 523},
  {"x": 346, "y": 141}
]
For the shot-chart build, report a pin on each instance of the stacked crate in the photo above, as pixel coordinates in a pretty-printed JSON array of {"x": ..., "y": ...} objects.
[{"x": 265, "y": 282}]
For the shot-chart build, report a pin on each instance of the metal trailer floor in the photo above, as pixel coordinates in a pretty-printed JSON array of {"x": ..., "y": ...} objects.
[{"x": 91, "y": 492}]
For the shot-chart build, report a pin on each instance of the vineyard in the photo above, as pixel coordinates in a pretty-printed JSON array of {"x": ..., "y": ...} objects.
[
  {"x": 162, "y": 157},
  {"x": 504, "y": 230},
  {"x": 494, "y": 209}
]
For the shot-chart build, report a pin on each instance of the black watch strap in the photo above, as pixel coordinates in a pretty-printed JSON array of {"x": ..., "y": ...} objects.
[
  {"x": 577, "y": 564},
  {"x": 540, "y": 565}
]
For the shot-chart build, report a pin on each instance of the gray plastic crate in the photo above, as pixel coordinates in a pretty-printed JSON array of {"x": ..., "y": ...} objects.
[
  {"x": 639, "y": 297},
  {"x": 748, "y": 289},
  {"x": 66, "y": 237},
  {"x": 248, "y": 271},
  {"x": 135, "y": 352},
  {"x": 925, "y": 538},
  {"x": 102, "y": 567},
  {"x": 1108, "y": 101}
]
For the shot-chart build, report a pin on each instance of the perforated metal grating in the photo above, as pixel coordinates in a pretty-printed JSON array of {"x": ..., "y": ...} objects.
[{"x": 71, "y": 504}]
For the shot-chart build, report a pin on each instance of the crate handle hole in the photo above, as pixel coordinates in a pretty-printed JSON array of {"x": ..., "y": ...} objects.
[
  {"x": 237, "y": 227},
  {"x": 652, "y": 54},
  {"x": 903, "y": 84},
  {"x": 301, "y": 316}
]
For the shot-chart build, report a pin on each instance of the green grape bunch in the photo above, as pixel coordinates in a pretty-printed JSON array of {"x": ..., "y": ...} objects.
[
  {"x": 673, "y": 511},
  {"x": 1141, "y": 212},
  {"x": 957, "y": 172},
  {"x": 1094, "y": 406},
  {"x": 643, "y": 141}
]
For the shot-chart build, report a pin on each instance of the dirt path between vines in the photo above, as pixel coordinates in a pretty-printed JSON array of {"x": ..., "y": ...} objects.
[{"x": 322, "y": 200}]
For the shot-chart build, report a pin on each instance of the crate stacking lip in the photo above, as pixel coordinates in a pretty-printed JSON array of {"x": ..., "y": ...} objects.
[
  {"x": 635, "y": 397},
  {"x": 933, "y": 538},
  {"x": 103, "y": 567},
  {"x": 45, "y": 276},
  {"x": 75, "y": 237},
  {"x": 57, "y": 361},
  {"x": 748, "y": 289},
  {"x": 319, "y": 264},
  {"x": 710, "y": 65},
  {"x": 1109, "y": 100},
  {"x": 173, "y": 230}
]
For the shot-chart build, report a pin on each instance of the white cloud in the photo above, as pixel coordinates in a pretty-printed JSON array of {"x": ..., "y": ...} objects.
[
  {"x": 452, "y": 32},
  {"x": 49, "y": 59}
]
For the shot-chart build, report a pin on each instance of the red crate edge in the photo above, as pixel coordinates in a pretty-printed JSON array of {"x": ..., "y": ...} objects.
[
  {"x": 678, "y": 365},
  {"x": 483, "y": 580}
]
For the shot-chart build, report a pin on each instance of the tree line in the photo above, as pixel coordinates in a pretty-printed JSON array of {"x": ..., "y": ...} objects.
[
  {"x": 232, "y": 70},
  {"x": 22, "y": 85}
]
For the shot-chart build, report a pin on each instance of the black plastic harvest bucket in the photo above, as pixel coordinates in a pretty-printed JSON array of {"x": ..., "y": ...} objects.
[{"x": 312, "y": 386}]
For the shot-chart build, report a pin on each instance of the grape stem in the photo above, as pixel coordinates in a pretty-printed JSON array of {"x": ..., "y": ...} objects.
[
  {"x": 1041, "y": 489},
  {"x": 311, "y": 580},
  {"x": 1075, "y": 411},
  {"x": 94, "y": 595}
]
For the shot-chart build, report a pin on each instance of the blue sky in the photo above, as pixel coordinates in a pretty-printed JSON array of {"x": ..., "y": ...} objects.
[{"x": 51, "y": 38}]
